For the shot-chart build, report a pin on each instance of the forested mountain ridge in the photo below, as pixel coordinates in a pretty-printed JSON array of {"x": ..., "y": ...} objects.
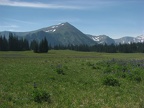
[
  {"x": 61, "y": 34},
  {"x": 66, "y": 34},
  {"x": 13, "y": 43}
]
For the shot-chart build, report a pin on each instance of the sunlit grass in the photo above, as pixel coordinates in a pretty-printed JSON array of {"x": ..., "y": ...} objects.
[{"x": 81, "y": 85}]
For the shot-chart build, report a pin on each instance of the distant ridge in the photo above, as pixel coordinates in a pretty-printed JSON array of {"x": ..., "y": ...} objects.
[
  {"x": 102, "y": 39},
  {"x": 66, "y": 34}
]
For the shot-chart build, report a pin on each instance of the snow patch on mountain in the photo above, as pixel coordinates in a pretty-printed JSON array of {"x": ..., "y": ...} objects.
[
  {"x": 60, "y": 24},
  {"x": 140, "y": 38},
  {"x": 102, "y": 39},
  {"x": 48, "y": 30},
  {"x": 129, "y": 40},
  {"x": 53, "y": 28},
  {"x": 96, "y": 38}
]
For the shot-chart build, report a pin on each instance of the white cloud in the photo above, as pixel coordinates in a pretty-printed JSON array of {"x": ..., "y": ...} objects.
[
  {"x": 19, "y": 21},
  {"x": 61, "y": 4},
  {"x": 35, "y": 5},
  {"x": 9, "y": 26}
]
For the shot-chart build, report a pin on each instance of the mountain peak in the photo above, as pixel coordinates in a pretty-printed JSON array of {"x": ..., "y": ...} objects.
[
  {"x": 64, "y": 23},
  {"x": 54, "y": 28}
]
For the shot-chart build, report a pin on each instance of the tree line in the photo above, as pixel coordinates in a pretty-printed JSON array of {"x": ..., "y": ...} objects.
[
  {"x": 14, "y": 43},
  {"x": 120, "y": 48}
]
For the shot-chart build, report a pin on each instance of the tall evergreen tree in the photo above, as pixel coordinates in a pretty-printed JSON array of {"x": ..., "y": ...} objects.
[
  {"x": 3, "y": 44},
  {"x": 13, "y": 43},
  {"x": 25, "y": 45},
  {"x": 34, "y": 46},
  {"x": 43, "y": 46}
]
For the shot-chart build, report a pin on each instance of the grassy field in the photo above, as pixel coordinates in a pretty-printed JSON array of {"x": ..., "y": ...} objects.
[{"x": 70, "y": 79}]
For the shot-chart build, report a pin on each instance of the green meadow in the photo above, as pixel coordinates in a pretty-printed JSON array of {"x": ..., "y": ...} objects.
[{"x": 71, "y": 79}]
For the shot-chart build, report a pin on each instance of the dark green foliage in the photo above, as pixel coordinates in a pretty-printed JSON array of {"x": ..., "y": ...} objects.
[
  {"x": 17, "y": 43},
  {"x": 90, "y": 64},
  {"x": 13, "y": 43},
  {"x": 111, "y": 81},
  {"x": 136, "y": 78},
  {"x": 93, "y": 66},
  {"x": 41, "y": 47},
  {"x": 121, "y": 48},
  {"x": 34, "y": 46},
  {"x": 60, "y": 71},
  {"x": 40, "y": 96},
  {"x": 25, "y": 44},
  {"x": 3, "y": 44},
  {"x": 129, "y": 70},
  {"x": 108, "y": 70}
]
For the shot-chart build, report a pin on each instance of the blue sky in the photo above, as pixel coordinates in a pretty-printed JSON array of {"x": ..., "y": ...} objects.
[{"x": 115, "y": 18}]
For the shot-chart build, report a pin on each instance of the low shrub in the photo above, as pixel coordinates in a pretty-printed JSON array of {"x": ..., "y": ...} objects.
[
  {"x": 108, "y": 70},
  {"x": 110, "y": 81},
  {"x": 90, "y": 64},
  {"x": 40, "y": 96},
  {"x": 60, "y": 71},
  {"x": 138, "y": 79},
  {"x": 134, "y": 77}
]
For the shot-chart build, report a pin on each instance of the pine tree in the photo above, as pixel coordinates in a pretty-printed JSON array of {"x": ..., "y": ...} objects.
[
  {"x": 34, "y": 46},
  {"x": 25, "y": 45},
  {"x": 1, "y": 40},
  {"x": 13, "y": 43},
  {"x": 3, "y": 44},
  {"x": 43, "y": 46}
]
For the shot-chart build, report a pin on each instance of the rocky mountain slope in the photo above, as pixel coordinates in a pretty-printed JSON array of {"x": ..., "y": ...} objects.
[
  {"x": 102, "y": 39},
  {"x": 66, "y": 34},
  {"x": 61, "y": 34}
]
